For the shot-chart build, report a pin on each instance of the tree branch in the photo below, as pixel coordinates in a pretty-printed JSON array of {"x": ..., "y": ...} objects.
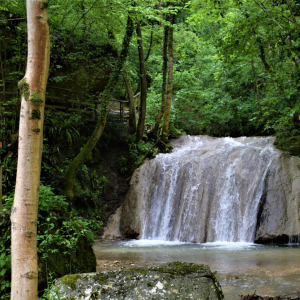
[
  {"x": 150, "y": 46},
  {"x": 292, "y": 13},
  {"x": 13, "y": 19},
  {"x": 266, "y": 11},
  {"x": 82, "y": 17}
]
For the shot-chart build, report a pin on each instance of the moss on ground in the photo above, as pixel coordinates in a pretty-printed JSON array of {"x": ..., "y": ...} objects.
[{"x": 102, "y": 278}]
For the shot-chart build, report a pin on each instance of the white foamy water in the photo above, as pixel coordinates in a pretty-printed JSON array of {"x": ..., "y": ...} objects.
[
  {"x": 150, "y": 243},
  {"x": 206, "y": 190}
]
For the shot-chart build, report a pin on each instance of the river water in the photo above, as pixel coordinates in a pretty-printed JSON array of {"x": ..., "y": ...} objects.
[{"x": 242, "y": 268}]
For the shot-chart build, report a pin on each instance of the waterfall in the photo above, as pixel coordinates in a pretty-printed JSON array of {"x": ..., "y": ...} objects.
[{"x": 208, "y": 189}]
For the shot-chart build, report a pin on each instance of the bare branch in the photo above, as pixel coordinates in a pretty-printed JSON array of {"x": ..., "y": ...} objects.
[
  {"x": 292, "y": 13},
  {"x": 13, "y": 19},
  {"x": 83, "y": 17},
  {"x": 288, "y": 18}
]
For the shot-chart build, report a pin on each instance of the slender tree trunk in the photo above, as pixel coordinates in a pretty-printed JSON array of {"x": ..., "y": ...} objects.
[
  {"x": 167, "y": 111},
  {"x": 263, "y": 54},
  {"x": 132, "y": 111},
  {"x": 256, "y": 85},
  {"x": 24, "y": 210},
  {"x": 150, "y": 46},
  {"x": 142, "y": 115},
  {"x": 2, "y": 97},
  {"x": 163, "y": 88},
  {"x": 71, "y": 172},
  {"x": 0, "y": 184}
]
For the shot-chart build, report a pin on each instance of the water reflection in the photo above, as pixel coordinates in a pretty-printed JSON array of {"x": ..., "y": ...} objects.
[{"x": 242, "y": 268}]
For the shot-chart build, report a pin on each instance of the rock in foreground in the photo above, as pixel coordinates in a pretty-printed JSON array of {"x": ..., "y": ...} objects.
[{"x": 174, "y": 280}]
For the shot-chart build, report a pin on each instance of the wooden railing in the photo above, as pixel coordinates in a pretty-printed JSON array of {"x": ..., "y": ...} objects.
[{"x": 71, "y": 104}]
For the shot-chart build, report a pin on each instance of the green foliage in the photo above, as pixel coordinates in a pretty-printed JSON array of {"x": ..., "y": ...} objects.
[
  {"x": 59, "y": 234},
  {"x": 63, "y": 127},
  {"x": 5, "y": 255},
  {"x": 138, "y": 152},
  {"x": 122, "y": 164},
  {"x": 89, "y": 186}
]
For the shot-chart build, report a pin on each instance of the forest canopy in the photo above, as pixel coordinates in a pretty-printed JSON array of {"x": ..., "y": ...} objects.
[{"x": 126, "y": 77}]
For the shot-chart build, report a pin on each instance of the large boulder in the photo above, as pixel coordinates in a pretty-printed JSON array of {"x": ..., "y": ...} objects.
[{"x": 175, "y": 280}]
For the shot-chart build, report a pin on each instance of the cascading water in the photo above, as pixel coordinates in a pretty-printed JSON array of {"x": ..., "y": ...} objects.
[{"x": 207, "y": 189}]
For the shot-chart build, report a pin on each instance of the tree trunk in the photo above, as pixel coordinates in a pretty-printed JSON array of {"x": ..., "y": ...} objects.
[
  {"x": 71, "y": 172},
  {"x": 167, "y": 111},
  {"x": 132, "y": 111},
  {"x": 262, "y": 54},
  {"x": 142, "y": 116},
  {"x": 163, "y": 88},
  {"x": 2, "y": 98},
  {"x": 256, "y": 85},
  {"x": 24, "y": 210}
]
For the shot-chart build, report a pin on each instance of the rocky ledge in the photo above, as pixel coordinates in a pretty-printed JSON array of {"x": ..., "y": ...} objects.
[{"x": 175, "y": 280}]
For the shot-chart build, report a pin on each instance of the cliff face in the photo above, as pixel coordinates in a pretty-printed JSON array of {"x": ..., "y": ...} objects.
[
  {"x": 212, "y": 189},
  {"x": 279, "y": 216}
]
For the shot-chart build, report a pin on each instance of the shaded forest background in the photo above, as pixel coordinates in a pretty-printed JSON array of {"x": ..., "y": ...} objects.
[{"x": 236, "y": 73}]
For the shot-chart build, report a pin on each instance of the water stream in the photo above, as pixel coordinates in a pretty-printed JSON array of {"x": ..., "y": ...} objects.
[{"x": 242, "y": 268}]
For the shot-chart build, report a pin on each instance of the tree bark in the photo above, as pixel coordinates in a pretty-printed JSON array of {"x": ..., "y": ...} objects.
[
  {"x": 167, "y": 111},
  {"x": 24, "y": 210},
  {"x": 143, "y": 107},
  {"x": 71, "y": 172},
  {"x": 2, "y": 98},
  {"x": 256, "y": 86},
  {"x": 263, "y": 54},
  {"x": 163, "y": 87},
  {"x": 132, "y": 111}
]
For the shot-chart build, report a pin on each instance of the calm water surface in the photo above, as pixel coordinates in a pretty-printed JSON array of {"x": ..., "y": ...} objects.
[{"x": 242, "y": 268}]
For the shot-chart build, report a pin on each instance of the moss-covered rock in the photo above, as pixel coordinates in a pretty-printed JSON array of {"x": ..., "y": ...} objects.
[{"x": 175, "y": 280}]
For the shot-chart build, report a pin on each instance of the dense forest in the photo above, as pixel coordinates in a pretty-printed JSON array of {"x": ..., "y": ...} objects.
[{"x": 125, "y": 78}]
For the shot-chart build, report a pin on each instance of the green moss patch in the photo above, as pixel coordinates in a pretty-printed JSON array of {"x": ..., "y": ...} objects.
[
  {"x": 173, "y": 268},
  {"x": 70, "y": 280},
  {"x": 24, "y": 88},
  {"x": 36, "y": 99},
  {"x": 102, "y": 278}
]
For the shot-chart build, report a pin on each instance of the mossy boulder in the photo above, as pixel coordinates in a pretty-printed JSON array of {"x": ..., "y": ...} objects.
[{"x": 175, "y": 280}]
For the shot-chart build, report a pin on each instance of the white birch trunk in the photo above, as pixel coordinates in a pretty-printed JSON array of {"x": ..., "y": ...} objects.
[{"x": 24, "y": 210}]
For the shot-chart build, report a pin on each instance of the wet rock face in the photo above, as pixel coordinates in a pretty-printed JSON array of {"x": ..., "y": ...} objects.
[
  {"x": 174, "y": 280},
  {"x": 279, "y": 216},
  {"x": 215, "y": 189}
]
